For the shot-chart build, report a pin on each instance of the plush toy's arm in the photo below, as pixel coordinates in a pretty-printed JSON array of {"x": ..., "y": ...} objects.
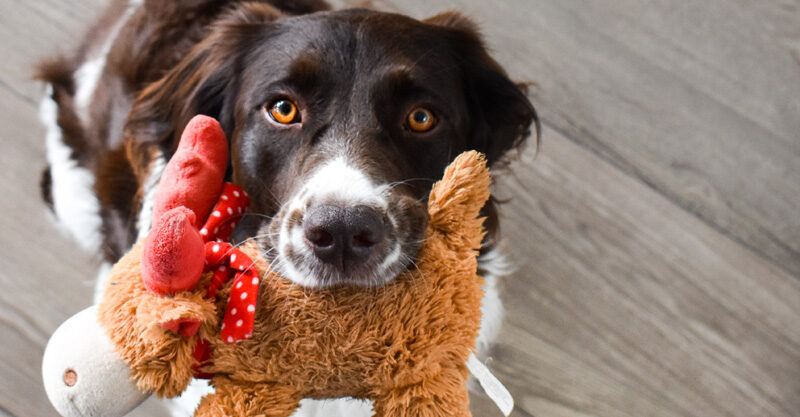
[
  {"x": 442, "y": 396},
  {"x": 232, "y": 399},
  {"x": 163, "y": 359}
]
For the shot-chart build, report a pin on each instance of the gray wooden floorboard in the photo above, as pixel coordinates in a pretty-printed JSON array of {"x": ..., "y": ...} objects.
[
  {"x": 656, "y": 234},
  {"x": 626, "y": 305}
]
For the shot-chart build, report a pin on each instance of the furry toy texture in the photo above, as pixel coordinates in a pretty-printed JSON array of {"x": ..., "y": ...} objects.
[{"x": 403, "y": 345}]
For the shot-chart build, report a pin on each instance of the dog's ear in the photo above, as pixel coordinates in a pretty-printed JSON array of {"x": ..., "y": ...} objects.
[
  {"x": 204, "y": 82},
  {"x": 501, "y": 113}
]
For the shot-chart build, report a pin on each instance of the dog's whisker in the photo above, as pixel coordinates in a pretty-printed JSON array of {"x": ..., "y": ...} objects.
[
  {"x": 263, "y": 235},
  {"x": 251, "y": 214}
]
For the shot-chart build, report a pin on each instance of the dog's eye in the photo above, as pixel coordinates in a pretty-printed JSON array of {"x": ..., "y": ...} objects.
[
  {"x": 284, "y": 112},
  {"x": 421, "y": 120}
]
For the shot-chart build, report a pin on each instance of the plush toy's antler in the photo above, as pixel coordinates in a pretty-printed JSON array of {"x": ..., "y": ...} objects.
[
  {"x": 177, "y": 251},
  {"x": 194, "y": 175},
  {"x": 190, "y": 185}
]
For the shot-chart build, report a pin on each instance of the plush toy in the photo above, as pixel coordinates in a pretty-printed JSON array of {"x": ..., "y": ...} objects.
[
  {"x": 83, "y": 376},
  {"x": 184, "y": 303}
]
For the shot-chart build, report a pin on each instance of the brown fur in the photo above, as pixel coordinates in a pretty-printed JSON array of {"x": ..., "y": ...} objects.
[
  {"x": 403, "y": 345},
  {"x": 152, "y": 42},
  {"x": 171, "y": 60}
]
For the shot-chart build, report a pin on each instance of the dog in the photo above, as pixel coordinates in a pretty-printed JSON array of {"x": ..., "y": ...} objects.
[{"x": 339, "y": 122}]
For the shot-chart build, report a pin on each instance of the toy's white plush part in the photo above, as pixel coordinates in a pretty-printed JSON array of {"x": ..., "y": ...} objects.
[{"x": 100, "y": 382}]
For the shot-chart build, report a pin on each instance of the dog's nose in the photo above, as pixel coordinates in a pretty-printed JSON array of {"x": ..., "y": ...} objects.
[{"x": 343, "y": 236}]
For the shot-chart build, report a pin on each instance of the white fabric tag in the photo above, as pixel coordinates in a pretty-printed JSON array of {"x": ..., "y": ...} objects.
[{"x": 493, "y": 387}]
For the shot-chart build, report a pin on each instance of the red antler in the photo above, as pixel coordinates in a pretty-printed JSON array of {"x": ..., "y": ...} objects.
[
  {"x": 194, "y": 175},
  {"x": 190, "y": 185}
]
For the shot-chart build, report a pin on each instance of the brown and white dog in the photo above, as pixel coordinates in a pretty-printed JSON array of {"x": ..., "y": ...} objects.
[{"x": 338, "y": 121}]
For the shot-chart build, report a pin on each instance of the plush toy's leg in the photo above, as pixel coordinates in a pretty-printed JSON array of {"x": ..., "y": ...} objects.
[
  {"x": 233, "y": 400},
  {"x": 445, "y": 395}
]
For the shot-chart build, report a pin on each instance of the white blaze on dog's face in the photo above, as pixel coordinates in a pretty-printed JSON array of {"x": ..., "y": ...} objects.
[{"x": 338, "y": 229}]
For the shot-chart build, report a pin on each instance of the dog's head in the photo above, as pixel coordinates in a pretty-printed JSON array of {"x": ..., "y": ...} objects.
[{"x": 339, "y": 124}]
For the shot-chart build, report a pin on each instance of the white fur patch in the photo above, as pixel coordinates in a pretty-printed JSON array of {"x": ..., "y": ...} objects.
[
  {"x": 339, "y": 181},
  {"x": 335, "y": 181},
  {"x": 145, "y": 220},
  {"x": 74, "y": 202},
  {"x": 342, "y": 407},
  {"x": 492, "y": 315},
  {"x": 185, "y": 404},
  {"x": 100, "y": 282},
  {"x": 296, "y": 273},
  {"x": 87, "y": 76},
  {"x": 392, "y": 258},
  {"x": 496, "y": 266}
]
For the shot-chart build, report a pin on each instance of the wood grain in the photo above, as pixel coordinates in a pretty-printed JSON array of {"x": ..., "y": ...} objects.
[
  {"x": 656, "y": 234},
  {"x": 625, "y": 305}
]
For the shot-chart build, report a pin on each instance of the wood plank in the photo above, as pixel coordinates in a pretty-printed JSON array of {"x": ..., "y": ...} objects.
[
  {"x": 626, "y": 305},
  {"x": 701, "y": 100},
  {"x": 32, "y": 30},
  {"x": 44, "y": 276}
]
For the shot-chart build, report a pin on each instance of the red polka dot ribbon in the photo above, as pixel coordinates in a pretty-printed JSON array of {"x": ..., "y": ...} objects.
[
  {"x": 226, "y": 261},
  {"x": 227, "y": 212}
]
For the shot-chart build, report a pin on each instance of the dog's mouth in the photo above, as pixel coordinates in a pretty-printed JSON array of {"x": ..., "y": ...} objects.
[{"x": 359, "y": 234}]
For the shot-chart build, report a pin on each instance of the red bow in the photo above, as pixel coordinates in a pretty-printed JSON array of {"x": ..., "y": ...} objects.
[{"x": 226, "y": 261}]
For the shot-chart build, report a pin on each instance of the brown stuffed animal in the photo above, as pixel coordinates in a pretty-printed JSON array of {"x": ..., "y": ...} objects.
[{"x": 403, "y": 345}]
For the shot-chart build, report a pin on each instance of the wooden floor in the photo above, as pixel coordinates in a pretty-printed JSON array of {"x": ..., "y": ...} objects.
[{"x": 656, "y": 233}]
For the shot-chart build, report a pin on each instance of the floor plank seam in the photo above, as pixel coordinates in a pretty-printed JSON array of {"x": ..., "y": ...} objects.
[
  {"x": 16, "y": 93},
  {"x": 6, "y": 412}
]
